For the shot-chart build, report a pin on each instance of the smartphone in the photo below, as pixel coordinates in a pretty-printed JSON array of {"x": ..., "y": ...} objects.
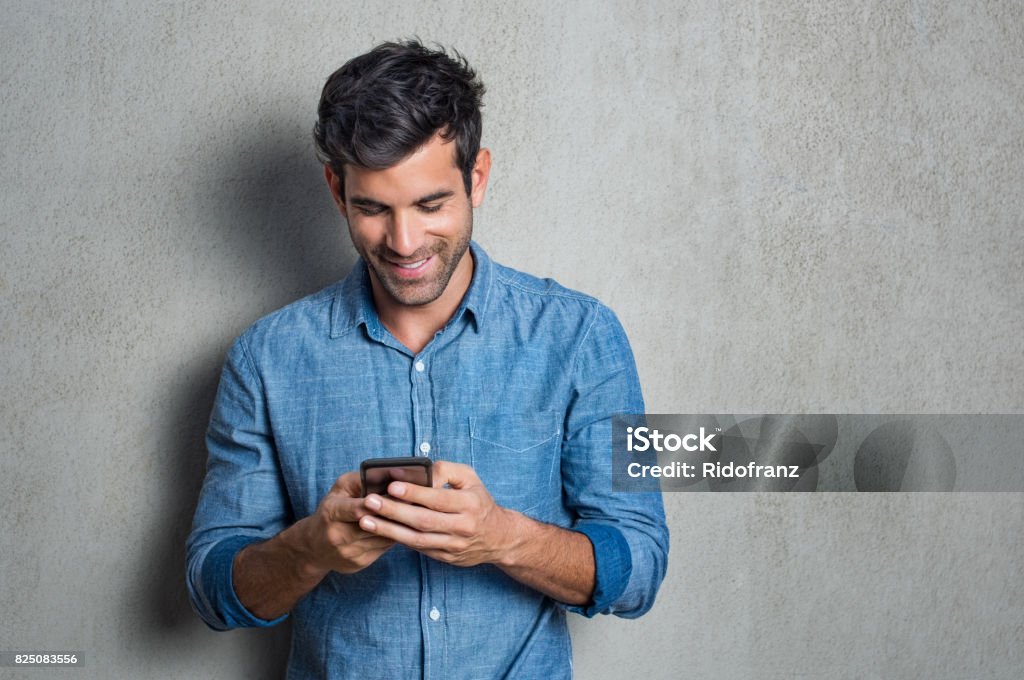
[{"x": 377, "y": 473}]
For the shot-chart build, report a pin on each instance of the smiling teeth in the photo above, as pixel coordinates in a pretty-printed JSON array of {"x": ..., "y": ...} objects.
[{"x": 411, "y": 265}]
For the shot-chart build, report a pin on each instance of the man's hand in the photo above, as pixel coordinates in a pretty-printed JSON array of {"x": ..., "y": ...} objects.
[
  {"x": 270, "y": 577},
  {"x": 460, "y": 525},
  {"x": 331, "y": 535}
]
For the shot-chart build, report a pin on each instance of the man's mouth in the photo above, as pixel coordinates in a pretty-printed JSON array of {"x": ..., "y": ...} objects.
[
  {"x": 410, "y": 269},
  {"x": 410, "y": 265}
]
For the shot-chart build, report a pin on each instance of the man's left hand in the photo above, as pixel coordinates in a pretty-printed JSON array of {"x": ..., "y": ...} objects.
[{"x": 459, "y": 525}]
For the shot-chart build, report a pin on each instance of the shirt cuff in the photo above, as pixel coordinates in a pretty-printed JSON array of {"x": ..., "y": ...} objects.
[
  {"x": 217, "y": 578},
  {"x": 613, "y": 565}
]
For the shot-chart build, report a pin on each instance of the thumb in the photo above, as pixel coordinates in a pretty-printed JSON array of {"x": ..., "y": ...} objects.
[
  {"x": 455, "y": 475},
  {"x": 349, "y": 485},
  {"x": 341, "y": 509}
]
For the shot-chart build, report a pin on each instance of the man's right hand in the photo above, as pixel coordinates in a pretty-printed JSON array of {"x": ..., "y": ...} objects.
[
  {"x": 272, "y": 576},
  {"x": 333, "y": 539}
]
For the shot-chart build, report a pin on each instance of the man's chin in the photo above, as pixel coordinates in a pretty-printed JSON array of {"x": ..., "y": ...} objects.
[{"x": 412, "y": 294}]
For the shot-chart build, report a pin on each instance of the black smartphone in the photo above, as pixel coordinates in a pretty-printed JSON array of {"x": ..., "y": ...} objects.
[{"x": 376, "y": 473}]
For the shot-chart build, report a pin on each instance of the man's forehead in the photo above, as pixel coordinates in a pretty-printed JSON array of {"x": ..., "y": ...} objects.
[{"x": 429, "y": 169}]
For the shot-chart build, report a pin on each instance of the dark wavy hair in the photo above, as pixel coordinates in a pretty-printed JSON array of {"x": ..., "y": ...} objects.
[{"x": 383, "y": 105}]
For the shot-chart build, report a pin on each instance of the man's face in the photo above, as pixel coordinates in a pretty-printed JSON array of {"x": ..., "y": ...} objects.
[{"x": 412, "y": 224}]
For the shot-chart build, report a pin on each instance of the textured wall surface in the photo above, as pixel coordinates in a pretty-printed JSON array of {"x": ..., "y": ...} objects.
[{"x": 793, "y": 207}]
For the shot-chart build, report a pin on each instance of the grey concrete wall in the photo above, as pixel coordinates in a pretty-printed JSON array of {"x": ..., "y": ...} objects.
[{"x": 793, "y": 207}]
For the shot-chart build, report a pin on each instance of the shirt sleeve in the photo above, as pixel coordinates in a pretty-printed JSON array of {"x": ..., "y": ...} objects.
[
  {"x": 628, "y": 530},
  {"x": 243, "y": 498}
]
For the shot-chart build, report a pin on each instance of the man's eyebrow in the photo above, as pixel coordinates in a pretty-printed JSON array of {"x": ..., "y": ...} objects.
[
  {"x": 436, "y": 196},
  {"x": 365, "y": 202}
]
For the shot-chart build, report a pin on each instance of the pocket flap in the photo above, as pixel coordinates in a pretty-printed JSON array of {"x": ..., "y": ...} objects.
[{"x": 515, "y": 431}]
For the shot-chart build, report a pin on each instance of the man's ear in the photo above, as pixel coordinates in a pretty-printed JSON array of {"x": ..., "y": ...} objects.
[
  {"x": 337, "y": 187},
  {"x": 480, "y": 174}
]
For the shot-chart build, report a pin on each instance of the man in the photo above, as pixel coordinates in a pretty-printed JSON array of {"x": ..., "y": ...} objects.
[{"x": 429, "y": 348}]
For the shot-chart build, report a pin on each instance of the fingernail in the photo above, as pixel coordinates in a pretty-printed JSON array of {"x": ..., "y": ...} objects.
[
  {"x": 373, "y": 502},
  {"x": 397, "y": 489},
  {"x": 367, "y": 524}
]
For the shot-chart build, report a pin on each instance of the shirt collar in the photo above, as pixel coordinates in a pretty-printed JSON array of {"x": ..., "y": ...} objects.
[{"x": 353, "y": 300}]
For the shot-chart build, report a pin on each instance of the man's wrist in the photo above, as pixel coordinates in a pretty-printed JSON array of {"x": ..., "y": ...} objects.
[
  {"x": 557, "y": 562},
  {"x": 515, "y": 536},
  {"x": 302, "y": 556}
]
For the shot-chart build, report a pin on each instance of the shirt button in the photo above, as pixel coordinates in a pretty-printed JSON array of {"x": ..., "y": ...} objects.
[
  {"x": 425, "y": 447},
  {"x": 434, "y": 614},
  {"x": 420, "y": 366}
]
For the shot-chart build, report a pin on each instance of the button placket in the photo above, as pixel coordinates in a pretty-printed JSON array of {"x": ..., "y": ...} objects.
[{"x": 423, "y": 406}]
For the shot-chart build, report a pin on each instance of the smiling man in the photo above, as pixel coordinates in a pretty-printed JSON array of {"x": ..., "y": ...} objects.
[
  {"x": 412, "y": 224},
  {"x": 506, "y": 381}
]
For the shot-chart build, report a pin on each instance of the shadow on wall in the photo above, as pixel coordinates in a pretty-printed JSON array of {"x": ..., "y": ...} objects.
[{"x": 276, "y": 233}]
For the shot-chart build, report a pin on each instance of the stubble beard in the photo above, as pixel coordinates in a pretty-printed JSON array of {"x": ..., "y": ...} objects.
[{"x": 416, "y": 293}]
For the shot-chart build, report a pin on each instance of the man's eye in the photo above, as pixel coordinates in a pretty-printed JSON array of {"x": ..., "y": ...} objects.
[
  {"x": 430, "y": 208},
  {"x": 370, "y": 212}
]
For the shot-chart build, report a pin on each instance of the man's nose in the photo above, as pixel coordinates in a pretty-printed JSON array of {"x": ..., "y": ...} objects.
[{"x": 404, "y": 236}]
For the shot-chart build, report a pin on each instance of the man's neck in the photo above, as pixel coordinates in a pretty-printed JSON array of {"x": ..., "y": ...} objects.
[{"x": 415, "y": 326}]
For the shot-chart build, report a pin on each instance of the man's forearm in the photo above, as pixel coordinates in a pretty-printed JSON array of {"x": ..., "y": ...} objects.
[
  {"x": 555, "y": 561},
  {"x": 271, "y": 577}
]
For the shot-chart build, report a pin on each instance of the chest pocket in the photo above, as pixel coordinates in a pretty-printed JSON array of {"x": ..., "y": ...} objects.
[{"x": 517, "y": 458}]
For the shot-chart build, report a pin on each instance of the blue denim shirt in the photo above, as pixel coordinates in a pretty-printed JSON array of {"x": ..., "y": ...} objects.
[{"x": 520, "y": 384}]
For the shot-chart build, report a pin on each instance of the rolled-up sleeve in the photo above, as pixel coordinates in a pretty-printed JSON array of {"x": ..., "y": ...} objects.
[
  {"x": 243, "y": 499},
  {"x": 627, "y": 530}
]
